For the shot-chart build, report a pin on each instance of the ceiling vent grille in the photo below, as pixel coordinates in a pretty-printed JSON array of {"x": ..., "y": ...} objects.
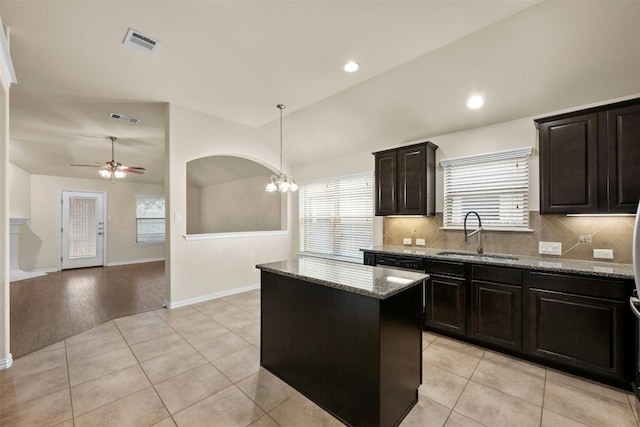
[
  {"x": 124, "y": 118},
  {"x": 140, "y": 41}
]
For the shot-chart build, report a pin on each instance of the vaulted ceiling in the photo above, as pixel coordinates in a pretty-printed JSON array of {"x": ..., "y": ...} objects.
[{"x": 236, "y": 60}]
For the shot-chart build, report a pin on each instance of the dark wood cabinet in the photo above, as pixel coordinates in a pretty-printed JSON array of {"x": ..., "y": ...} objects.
[
  {"x": 578, "y": 322},
  {"x": 445, "y": 297},
  {"x": 405, "y": 180},
  {"x": 589, "y": 158},
  {"x": 496, "y": 306}
]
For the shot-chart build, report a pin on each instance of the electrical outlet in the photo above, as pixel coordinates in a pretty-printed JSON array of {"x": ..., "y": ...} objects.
[
  {"x": 420, "y": 242},
  {"x": 550, "y": 248},
  {"x": 585, "y": 238},
  {"x": 603, "y": 253},
  {"x": 406, "y": 241}
]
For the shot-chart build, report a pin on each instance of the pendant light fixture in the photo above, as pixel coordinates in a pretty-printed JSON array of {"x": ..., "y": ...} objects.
[{"x": 281, "y": 182}]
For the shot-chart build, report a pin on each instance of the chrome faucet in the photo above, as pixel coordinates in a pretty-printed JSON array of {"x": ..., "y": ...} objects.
[{"x": 479, "y": 231}]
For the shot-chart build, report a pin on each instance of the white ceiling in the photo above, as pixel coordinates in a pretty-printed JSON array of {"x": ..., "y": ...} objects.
[{"x": 237, "y": 59}]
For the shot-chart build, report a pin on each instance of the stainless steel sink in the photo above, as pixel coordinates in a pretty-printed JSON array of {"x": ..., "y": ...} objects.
[{"x": 474, "y": 255}]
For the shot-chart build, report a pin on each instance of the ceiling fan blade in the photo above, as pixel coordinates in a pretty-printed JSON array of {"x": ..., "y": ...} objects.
[
  {"x": 88, "y": 166},
  {"x": 132, "y": 169}
]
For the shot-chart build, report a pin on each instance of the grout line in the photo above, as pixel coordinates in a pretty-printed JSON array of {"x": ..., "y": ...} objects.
[{"x": 66, "y": 357}]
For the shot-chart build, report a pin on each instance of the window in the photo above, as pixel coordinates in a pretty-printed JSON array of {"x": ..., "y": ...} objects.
[
  {"x": 336, "y": 216},
  {"x": 149, "y": 219},
  {"x": 494, "y": 185}
]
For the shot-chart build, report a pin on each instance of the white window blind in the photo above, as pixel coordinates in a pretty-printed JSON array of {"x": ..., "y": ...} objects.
[
  {"x": 336, "y": 216},
  {"x": 494, "y": 185},
  {"x": 149, "y": 219},
  {"x": 83, "y": 227}
]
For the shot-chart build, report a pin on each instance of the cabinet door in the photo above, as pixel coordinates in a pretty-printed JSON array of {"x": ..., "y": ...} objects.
[
  {"x": 569, "y": 165},
  {"x": 583, "y": 332},
  {"x": 496, "y": 314},
  {"x": 623, "y": 153},
  {"x": 445, "y": 304},
  {"x": 386, "y": 174},
  {"x": 412, "y": 181}
]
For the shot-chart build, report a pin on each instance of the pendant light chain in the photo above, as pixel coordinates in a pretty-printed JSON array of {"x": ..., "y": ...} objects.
[{"x": 281, "y": 182}]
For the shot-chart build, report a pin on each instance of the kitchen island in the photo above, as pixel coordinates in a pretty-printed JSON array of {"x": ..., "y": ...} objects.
[{"x": 345, "y": 335}]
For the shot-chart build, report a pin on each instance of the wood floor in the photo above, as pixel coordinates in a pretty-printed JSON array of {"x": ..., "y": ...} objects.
[{"x": 47, "y": 309}]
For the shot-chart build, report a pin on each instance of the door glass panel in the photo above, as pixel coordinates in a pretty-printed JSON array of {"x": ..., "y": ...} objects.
[{"x": 83, "y": 227}]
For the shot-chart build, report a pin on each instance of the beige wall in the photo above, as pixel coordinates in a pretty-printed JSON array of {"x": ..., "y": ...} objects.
[
  {"x": 202, "y": 268},
  {"x": 19, "y": 192},
  {"x": 608, "y": 233},
  {"x": 41, "y": 236},
  {"x": 241, "y": 205},
  {"x": 193, "y": 210},
  {"x": 5, "y": 355}
]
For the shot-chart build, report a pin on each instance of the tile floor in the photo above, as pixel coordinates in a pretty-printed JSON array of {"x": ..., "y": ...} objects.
[{"x": 199, "y": 366}]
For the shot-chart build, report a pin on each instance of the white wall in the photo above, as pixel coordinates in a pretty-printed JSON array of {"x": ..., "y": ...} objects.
[
  {"x": 19, "y": 192},
  {"x": 200, "y": 269},
  {"x": 41, "y": 236},
  {"x": 5, "y": 356}
]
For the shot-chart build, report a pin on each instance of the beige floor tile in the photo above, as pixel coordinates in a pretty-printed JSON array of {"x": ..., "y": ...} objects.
[
  {"x": 516, "y": 378},
  {"x": 167, "y": 422},
  {"x": 219, "y": 308},
  {"x": 137, "y": 321},
  {"x": 101, "y": 331},
  {"x": 587, "y": 403},
  {"x": 171, "y": 364},
  {"x": 68, "y": 423},
  {"x": 587, "y": 386},
  {"x": 181, "y": 323},
  {"x": 34, "y": 363},
  {"x": 146, "y": 333},
  {"x": 31, "y": 387},
  {"x": 158, "y": 346},
  {"x": 56, "y": 346},
  {"x": 427, "y": 339},
  {"x": 459, "y": 420},
  {"x": 441, "y": 386},
  {"x": 171, "y": 314},
  {"x": 267, "y": 390},
  {"x": 93, "y": 394},
  {"x": 102, "y": 364},
  {"x": 250, "y": 333},
  {"x": 301, "y": 412},
  {"x": 492, "y": 407},
  {"x": 190, "y": 387},
  {"x": 203, "y": 332},
  {"x": 551, "y": 419},
  {"x": 51, "y": 409},
  {"x": 143, "y": 408},
  {"x": 240, "y": 364},
  {"x": 220, "y": 346},
  {"x": 264, "y": 421},
  {"x": 229, "y": 408},
  {"x": 86, "y": 349},
  {"x": 460, "y": 359},
  {"x": 633, "y": 402},
  {"x": 235, "y": 321},
  {"x": 426, "y": 413}
]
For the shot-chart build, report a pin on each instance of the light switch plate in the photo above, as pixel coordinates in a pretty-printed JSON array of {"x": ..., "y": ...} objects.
[
  {"x": 406, "y": 241},
  {"x": 420, "y": 242},
  {"x": 550, "y": 248},
  {"x": 603, "y": 253}
]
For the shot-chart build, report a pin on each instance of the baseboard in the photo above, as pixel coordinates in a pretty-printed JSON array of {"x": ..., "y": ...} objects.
[
  {"x": 209, "y": 297},
  {"x": 137, "y": 261},
  {"x": 7, "y": 362},
  {"x": 18, "y": 275}
]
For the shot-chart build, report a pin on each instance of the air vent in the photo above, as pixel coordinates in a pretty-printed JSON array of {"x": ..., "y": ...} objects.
[
  {"x": 124, "y": 118},
  {"x": 140, "y": 41}
]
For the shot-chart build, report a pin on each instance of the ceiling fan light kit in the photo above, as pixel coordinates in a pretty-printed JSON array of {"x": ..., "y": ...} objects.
[{"x": 115, "y": 170}]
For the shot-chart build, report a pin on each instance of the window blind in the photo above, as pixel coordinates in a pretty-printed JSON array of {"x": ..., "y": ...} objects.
[
  {"x": 336, "y": 216},
  {"x": 149, "y": 219},
  {"x": 495, "y": 185}
]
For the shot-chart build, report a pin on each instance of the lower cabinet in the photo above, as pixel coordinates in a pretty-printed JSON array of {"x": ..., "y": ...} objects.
[
  {"x": 496, "y": 314},
  {"x": 583, "y": 331},
  {"x": 445, "y": 309}
]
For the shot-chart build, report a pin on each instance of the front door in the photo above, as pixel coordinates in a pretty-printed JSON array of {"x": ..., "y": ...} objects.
[{"x": 82, "y": 229}]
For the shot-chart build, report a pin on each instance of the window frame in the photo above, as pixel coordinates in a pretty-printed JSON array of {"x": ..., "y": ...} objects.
[{"x": 138, "y": 218}]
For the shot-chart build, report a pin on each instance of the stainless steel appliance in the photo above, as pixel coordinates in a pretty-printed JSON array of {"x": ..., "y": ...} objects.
[{"x": 634, "y": 301}]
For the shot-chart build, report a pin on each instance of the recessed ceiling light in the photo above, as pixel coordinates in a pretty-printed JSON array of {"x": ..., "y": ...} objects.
[
  {"x": 351, "y": 66},
  {"x": 475, "y": 102}
]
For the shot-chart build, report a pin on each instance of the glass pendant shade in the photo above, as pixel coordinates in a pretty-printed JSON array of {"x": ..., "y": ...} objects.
[{"x": 105, "y": 173}]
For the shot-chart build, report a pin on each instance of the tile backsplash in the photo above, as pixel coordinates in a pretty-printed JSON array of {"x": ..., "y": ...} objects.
[{"x": 606, "y": 233}]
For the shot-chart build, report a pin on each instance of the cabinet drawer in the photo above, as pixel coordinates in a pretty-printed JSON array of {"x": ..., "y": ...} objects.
[
  {"x": 399, "y": 261},
  {"x": 444, "y": 267},
  {"x": 510, "y": 276},
  {"x": 577, "y": 285}
]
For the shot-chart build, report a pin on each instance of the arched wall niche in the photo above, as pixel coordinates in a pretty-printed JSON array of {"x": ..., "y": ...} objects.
[{"x": 226, "y": 194}]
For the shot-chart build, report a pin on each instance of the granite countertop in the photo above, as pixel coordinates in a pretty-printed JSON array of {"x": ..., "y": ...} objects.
[
  {"x": 559, "y": 265},
  {"x": 376, "y": 282}
]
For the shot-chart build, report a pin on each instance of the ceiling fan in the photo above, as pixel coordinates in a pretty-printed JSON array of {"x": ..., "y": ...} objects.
[{"x": 112, "y": 169}]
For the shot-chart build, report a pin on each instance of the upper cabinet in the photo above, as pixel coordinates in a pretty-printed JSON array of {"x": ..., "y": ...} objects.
[
  {"x": 405, "y": 180},
  {"x": 589, "y": 160}
]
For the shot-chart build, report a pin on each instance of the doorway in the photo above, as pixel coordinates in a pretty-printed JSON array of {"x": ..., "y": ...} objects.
[{"x": 83, "y": 229}]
